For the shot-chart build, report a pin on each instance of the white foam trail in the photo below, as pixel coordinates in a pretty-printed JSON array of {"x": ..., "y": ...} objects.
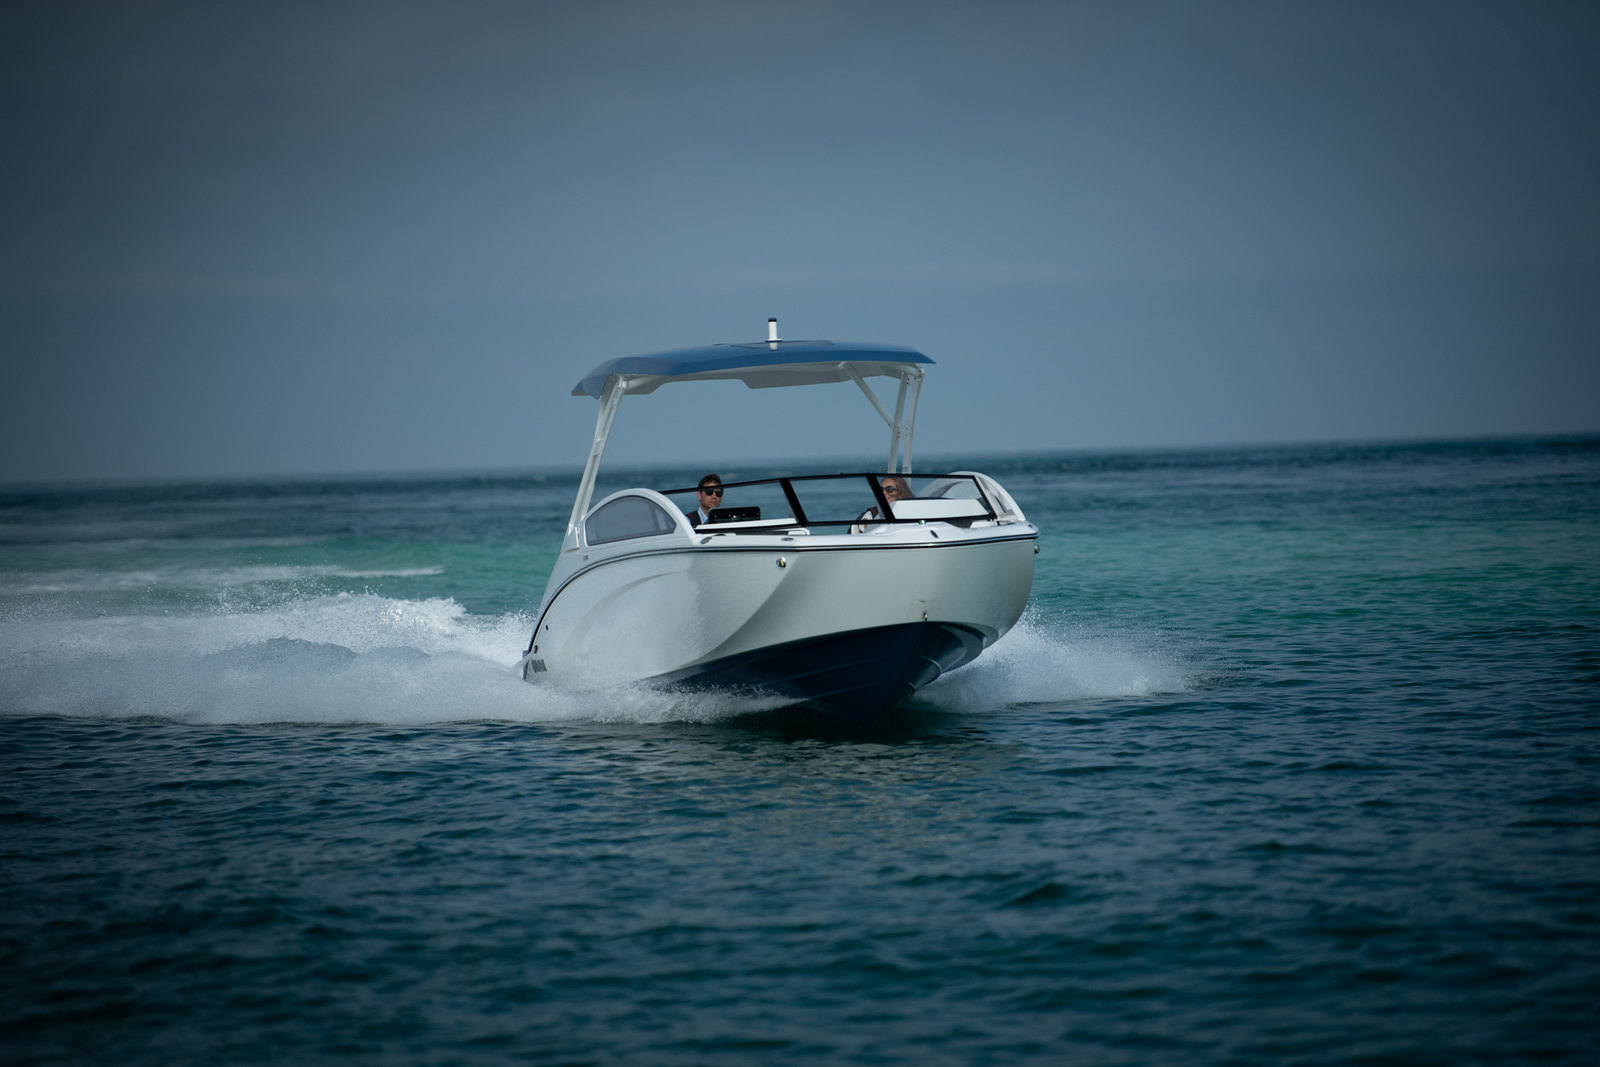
[
  {"x": 204, "y": 579},
  {"x": 371, "y": 659},
  {"x": 1034, "y": 664},
  {"x": 344, "y": 658}
]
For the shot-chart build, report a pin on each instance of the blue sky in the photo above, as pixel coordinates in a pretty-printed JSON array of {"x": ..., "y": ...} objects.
[{"x": 329, "y": 237}]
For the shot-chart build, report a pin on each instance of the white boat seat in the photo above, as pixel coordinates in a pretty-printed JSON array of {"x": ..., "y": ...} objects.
[{"x": 939, "y": 508}]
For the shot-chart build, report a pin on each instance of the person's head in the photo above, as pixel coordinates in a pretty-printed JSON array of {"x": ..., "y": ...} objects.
[
  {"x": 710, "y": 494},
  {"x": 894, "y": 488}
]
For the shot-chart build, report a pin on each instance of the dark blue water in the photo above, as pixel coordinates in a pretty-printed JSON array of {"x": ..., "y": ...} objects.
[{"x": 1294, "y": 759}]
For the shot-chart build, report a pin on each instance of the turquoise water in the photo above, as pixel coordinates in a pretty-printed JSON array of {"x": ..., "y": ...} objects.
[{"x": 1292, "y": 759}]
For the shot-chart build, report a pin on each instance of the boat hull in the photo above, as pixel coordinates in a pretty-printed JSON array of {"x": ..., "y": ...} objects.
[
  {"x": 845, "y": 626},
  {"x": 854, "y": 677}
]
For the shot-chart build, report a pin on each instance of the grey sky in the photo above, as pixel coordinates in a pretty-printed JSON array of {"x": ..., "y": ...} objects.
[{"x": 286, "y": 238}]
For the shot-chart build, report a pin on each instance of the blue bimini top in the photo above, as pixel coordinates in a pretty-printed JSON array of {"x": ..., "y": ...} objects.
[{"x": 759, "y": 364}]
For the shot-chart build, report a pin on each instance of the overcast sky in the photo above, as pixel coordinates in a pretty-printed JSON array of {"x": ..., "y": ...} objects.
[{"x": 286, "y": 238}]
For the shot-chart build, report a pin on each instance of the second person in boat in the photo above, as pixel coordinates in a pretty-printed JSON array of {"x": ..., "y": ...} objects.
[{"x": 894, "y": 489}]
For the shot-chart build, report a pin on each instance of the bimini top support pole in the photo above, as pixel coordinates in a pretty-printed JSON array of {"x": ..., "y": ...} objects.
[
  {"x": 616, "y": 388},
  {"x": 902, "y": 424},
  {"x": 910, "y": 389}
]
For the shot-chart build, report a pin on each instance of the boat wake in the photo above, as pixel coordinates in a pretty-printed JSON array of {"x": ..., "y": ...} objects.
[
  {"x": 365, "y": 658},
  {"x": 1040, "y": 663}
]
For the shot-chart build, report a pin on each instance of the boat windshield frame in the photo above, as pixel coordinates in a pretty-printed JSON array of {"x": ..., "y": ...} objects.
[{"x": 885, "y": 516}]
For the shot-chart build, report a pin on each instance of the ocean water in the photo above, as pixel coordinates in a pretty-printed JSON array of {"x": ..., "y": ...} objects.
[{"x": 1295, "y": 758}]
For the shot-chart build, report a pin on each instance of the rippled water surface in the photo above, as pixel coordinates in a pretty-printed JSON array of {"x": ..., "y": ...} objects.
[{"x": 1293, "y": 759}]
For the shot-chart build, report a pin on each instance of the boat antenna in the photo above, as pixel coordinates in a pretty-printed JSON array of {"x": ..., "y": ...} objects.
[{"x": 772, "y": 330}]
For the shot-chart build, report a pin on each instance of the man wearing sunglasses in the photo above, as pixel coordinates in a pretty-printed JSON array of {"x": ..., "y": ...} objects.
[{"x": 709, "y": 496}]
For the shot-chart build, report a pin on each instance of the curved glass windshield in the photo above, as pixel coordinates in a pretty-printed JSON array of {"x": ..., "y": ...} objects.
[{"x": 627, "y": 517}]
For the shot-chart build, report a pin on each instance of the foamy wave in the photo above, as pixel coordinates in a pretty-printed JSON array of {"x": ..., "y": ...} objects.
[
  {"x": 195, "y": 578},
  {"x": 344, "y": 658},
  {"x": 371, "y": 659},
  {"x": 347, "y": 658},
  {"x": 1034, "y": 664}
]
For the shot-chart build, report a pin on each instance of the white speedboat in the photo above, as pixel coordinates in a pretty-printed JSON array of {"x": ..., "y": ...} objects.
[{"x": 821, "y": 591}]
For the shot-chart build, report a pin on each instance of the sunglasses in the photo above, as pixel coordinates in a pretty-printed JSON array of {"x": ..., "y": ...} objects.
[{"x": 711, "y": 492}]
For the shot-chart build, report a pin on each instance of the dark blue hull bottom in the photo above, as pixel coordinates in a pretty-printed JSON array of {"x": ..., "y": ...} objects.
[{"x": 854, "y": 677}]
